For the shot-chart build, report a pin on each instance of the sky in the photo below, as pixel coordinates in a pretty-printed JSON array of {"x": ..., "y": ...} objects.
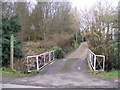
[{"x": 81, "y": 4}]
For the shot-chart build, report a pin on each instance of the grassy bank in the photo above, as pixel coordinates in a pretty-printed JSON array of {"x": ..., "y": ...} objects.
[
  {"x": 106, "y": 75},
  {"x": 13, "y": 73}
]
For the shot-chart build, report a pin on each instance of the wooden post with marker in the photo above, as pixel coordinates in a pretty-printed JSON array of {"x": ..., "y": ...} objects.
[{"x": 11, "y": 50}]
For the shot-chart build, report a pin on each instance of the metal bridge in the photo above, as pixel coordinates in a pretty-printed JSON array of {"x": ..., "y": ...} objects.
[{"x": 37, "y": 62}]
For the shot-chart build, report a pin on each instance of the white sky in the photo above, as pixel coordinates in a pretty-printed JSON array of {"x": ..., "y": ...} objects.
[{"x": 81, "y": 4}]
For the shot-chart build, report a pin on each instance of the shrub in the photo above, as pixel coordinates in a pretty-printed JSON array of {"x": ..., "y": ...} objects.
[
  {"x": 75, "y": 45},
  {"x": 59, "y": 53}
]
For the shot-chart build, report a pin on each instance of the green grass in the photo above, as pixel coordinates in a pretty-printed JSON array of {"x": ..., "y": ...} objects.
[
  {"x": 13, "y": 73},
  {"x": 106, "y": 75}
]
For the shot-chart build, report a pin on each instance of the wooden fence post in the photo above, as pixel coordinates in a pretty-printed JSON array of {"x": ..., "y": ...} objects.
[{"x": 11, "y": 50}]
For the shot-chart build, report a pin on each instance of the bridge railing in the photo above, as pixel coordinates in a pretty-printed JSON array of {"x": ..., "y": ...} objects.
[
  {"x": 96, "y": 62},
  {"x": 37, "y": 62}
]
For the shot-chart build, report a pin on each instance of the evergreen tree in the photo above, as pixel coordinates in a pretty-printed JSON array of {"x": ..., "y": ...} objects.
[{"x": 10, "y": 26}]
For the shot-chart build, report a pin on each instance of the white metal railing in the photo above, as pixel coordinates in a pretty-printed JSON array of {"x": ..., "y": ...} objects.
[
  {"x": 37, "y": 62},
  {"x": 94, "y": 63}
]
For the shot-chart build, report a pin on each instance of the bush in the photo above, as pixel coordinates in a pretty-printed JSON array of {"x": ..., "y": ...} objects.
[
  {"x": 59, "y": 53},
  {"x": 112, "y": 51},
  {"x": 75, "y": 45}
]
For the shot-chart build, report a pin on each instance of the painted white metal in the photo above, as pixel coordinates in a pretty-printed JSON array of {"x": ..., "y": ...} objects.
[
  {"x": 49, "y": 56},
  {"x": 100, "y": 55},
  {"x": 37, "y": 59},
  {"x": 37, "y": 62},
  {"x": 94, "y": 62},
  {"x": 53, "y": 55},
  {"x": 44, "y": 59},
  {"x": 93, "y": 57},
  {"x": 31, "y": 56},
  {"x": 104, "y": 63}
]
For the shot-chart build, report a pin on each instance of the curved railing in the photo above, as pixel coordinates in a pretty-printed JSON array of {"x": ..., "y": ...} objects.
[{"x": 96, "y": 62}]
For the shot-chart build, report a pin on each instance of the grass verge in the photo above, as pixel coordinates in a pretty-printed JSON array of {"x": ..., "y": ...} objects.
[
  {"x": 13, "y": 73},
  {"x": 106, "y": 75}
]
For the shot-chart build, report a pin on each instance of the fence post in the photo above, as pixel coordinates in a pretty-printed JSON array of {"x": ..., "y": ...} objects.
[
  {"x": 53, "y": 55},
  {"x": 90, "y": 58},
  {"x": 27, "y": 64},
  {"x": 49, "y": 56},
  {"x": 103, "y": 63},
  {"x": 37, "y": 62},
  {"x": 94, "y": 62},
  {"x": 44, "y": 59}
]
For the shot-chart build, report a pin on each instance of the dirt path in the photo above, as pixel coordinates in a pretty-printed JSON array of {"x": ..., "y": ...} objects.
[{"x": 70, "y": 72}]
